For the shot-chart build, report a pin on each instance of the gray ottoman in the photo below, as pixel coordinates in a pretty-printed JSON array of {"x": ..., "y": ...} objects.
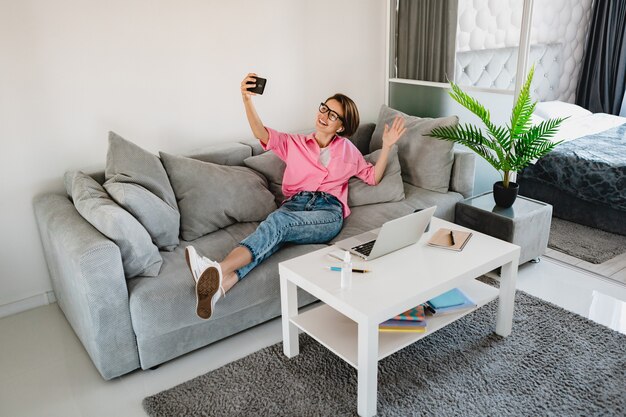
[{"x": 526, "y": 223}]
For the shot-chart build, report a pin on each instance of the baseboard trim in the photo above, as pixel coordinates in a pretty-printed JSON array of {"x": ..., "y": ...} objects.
[{"x": 29, "y": 303}]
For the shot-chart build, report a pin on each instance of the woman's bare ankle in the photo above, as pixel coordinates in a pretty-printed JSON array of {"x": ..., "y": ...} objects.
[{"x": 229, "y": 280}]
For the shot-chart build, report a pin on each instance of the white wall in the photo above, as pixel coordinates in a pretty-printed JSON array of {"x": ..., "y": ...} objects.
[{"x": 164, "y": 74}]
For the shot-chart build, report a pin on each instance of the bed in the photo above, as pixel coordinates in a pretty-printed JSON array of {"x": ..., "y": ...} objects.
[{"x": 584, "y": 178}]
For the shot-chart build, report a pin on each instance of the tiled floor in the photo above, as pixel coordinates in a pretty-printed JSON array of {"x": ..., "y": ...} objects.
[
  {"x": 613, "y": 268},
  {"x": 44, "y": 370}
]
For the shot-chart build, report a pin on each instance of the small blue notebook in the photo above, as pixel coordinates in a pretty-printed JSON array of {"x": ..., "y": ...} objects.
[{"x": 452, "y": 298}]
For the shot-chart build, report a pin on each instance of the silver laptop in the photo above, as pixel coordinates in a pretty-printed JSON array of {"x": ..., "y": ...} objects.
[{"x": 393, "y": 235}]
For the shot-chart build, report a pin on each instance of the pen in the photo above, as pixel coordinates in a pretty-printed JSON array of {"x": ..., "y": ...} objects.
[
  {"x": 452, "y": 238},
  {"x": 338, "y": 269}
]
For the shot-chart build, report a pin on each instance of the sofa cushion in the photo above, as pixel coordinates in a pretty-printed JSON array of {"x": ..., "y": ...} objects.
[
  {"x": 359, "y": 193},
  {"x": 365, "y": 218},
  {"x": 167, "y": 303},
  {"x": 139, "y": 255},
  {"x": 273, "y": 168},
  {"x": 420, "y": 198},
  {"x": 362, "y": 137},
  {"x": 389, "y": 189},
  {"x": 161, "y": 221},
  {"x": 425, "y": 162},
  {"x": 462, "y": 176},
  {"x": 136, "y": 180},
  {"x": 255, "y": 146},
  {"x": 223, "y": 153},
  {"x": 212, "y": 196}
]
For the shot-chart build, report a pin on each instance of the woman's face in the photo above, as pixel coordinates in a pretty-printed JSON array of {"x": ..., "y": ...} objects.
[{"x": 324, "y": 122}]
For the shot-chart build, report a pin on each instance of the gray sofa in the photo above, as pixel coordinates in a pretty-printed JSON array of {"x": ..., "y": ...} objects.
[{"x": 126, "y": 324}]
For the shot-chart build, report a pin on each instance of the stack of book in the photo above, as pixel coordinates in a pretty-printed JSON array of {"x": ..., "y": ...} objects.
[
  {"x": 453, "y": 301},
  {"x": 413, "y": 320}
]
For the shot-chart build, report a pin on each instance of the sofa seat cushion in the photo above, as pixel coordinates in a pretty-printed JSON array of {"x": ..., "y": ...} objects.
[
  {"x": 167, "y": 303},
  {"x": 162, "y": 348},
  {"x": 419, "y": 198}
]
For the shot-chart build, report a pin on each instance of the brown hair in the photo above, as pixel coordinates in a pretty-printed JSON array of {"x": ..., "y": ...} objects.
[{"x": 350, "y": 116}]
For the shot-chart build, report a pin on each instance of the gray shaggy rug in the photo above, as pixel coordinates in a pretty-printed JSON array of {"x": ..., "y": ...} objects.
[
  {"x": 554, "y": 363},
  {"x": 583, "y": 242}
]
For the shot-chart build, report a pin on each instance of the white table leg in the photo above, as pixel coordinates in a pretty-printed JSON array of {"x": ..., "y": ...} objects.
[
  {"x": 367, "y": 369},
  {"x": 289, "y": 309},
  {"x": 508, "y": 276}
]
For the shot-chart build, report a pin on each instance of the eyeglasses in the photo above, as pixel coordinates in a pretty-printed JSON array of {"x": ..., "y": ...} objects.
[{"x": 332, "y": 115}]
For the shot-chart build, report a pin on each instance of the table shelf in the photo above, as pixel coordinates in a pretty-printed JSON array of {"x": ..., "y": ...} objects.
[{"x": 340, "y": 334}]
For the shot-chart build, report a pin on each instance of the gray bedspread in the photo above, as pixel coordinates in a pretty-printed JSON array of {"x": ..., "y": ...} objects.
[{"x": 592, "y": 168}]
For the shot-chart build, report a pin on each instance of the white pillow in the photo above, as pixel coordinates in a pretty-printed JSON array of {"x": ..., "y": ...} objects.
[{"x": 554, "y": 109}]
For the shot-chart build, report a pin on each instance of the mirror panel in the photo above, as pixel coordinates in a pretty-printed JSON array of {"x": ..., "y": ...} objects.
[{"x": 476, "y": 43}]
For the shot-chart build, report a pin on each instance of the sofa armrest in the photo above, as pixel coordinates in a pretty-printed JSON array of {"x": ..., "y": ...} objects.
[
  {"x": 89, "y": 284},
  {"x": 463, "y": 168}
]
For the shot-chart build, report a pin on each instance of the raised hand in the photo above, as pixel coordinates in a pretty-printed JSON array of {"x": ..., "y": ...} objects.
[
  {"x": 248, "y": 82},
  {"x": 258, "y": 129},
  {"x": 392, "y": 134}
]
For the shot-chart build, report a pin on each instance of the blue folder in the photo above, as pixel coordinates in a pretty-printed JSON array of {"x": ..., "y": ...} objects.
[{"x": 452, "y": 298}]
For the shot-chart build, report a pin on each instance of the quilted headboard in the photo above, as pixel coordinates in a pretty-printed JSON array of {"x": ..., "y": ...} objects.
[{"x": 495, "y": 68}]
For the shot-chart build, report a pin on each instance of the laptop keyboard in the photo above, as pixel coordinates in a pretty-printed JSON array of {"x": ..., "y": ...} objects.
[{"x": 365, "y": 248}]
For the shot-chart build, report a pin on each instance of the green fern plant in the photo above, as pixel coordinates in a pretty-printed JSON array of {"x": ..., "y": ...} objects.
[{"x": 507, "y": 148}]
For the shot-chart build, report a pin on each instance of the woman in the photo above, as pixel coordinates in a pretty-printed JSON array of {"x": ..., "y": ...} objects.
[{"x": 315, "y": 185}]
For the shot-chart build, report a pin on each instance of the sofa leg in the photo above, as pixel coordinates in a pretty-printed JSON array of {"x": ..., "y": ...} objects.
[{"x": 155, "y": 367}]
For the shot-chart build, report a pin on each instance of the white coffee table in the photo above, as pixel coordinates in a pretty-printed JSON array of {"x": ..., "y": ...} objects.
[{"x": 347, "y": 321}]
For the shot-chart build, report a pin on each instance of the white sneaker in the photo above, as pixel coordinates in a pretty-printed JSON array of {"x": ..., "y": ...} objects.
[
  {"x": 197, "y": 264},
  {"x": 208, "y": 277}
]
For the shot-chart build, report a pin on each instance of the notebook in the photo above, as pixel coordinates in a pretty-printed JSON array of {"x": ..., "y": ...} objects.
[
  {"x": 452, "y": 298},
  {"x": 450, "y": 239},
  {"x": 450, "y": 302}
]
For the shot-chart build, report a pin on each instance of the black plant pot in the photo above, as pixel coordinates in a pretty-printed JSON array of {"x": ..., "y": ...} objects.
[{"x": 505, "y": 197}]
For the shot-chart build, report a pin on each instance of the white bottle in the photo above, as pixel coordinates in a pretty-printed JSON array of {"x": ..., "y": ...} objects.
[{"x": 346, "y": 271}]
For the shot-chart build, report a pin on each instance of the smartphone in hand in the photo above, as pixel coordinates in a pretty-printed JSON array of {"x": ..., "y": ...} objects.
[{"x": 260, "y": 85}]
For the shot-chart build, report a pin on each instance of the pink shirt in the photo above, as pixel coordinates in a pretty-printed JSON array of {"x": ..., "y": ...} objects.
[{"x": 304, "y": 171}]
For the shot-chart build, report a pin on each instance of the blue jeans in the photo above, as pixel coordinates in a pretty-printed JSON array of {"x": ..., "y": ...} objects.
[{"x": 307, "y": 217}]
